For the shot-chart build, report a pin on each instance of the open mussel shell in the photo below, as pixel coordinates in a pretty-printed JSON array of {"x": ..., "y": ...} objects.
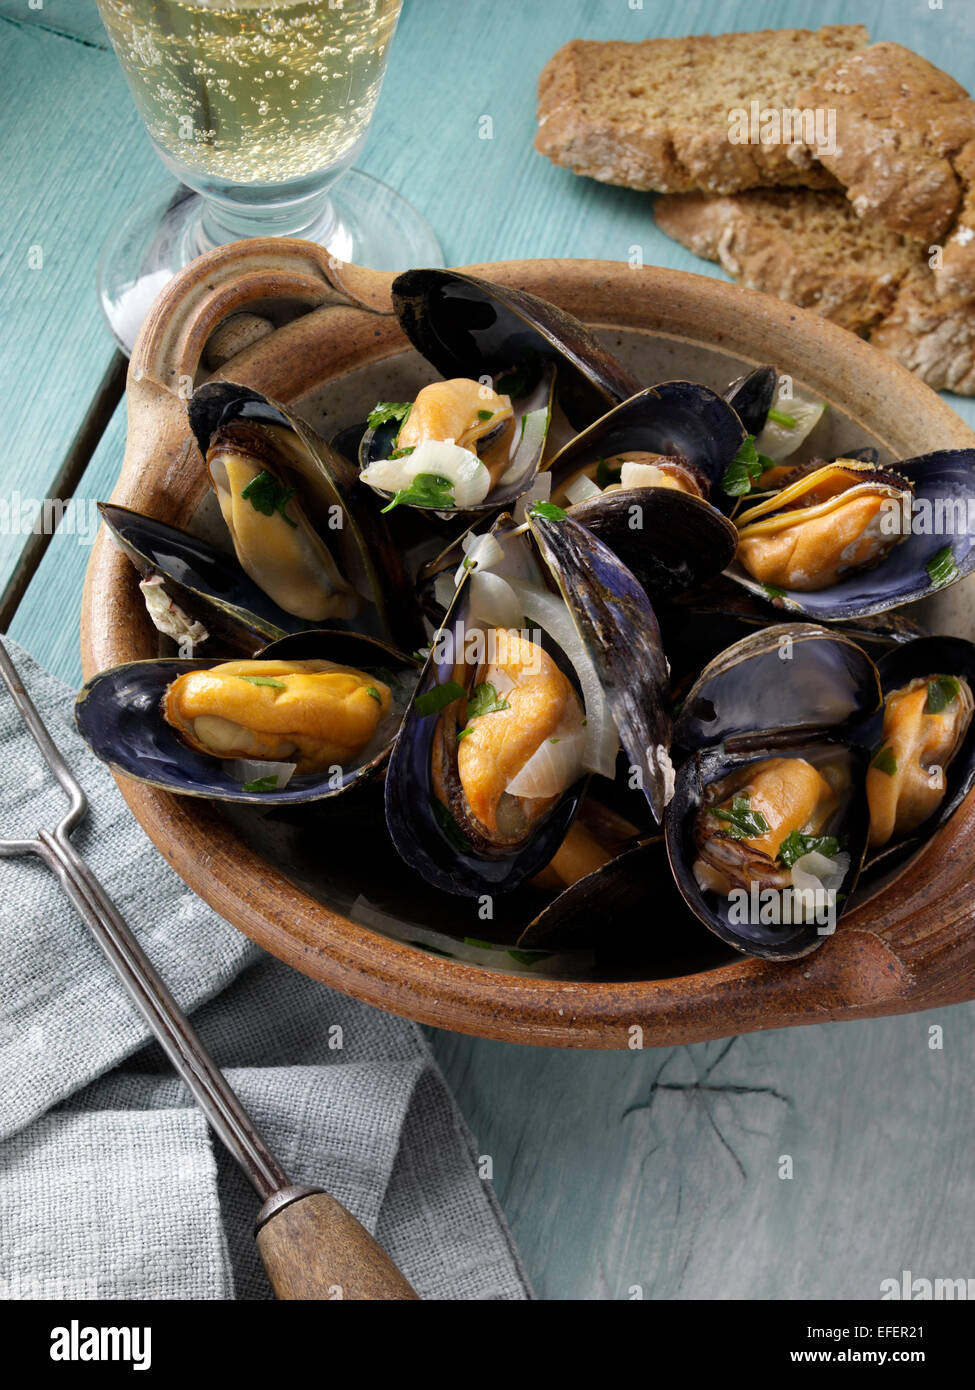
[
  {"x": 533, "y": 408},
  {"x": 750, "y": 921},
  {"x": 467, "y": 327},
  {"x": 938, "y": 550},
  {"x": 612, "y": 622},
  {"x": 924, "y": 658},
  {"x": 204, "y": 582},
  {"x": 789, "y": 681},
  {"x": 342, "y": 513},
  {"x": 631, "y": 914},
  {"x": 751, "y": 396},
  {"x": 118, "y": 713}
]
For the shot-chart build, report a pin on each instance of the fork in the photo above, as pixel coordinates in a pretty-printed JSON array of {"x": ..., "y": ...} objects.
[{"x": 312, "y": 1248}]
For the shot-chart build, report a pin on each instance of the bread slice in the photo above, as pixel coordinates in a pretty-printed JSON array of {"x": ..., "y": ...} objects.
[
  {"x": 901, "y": 126},
  {"x": 655, "y": 114},
  {"x": 931, "y": 333},
  {"x": 809, "y": 248}
]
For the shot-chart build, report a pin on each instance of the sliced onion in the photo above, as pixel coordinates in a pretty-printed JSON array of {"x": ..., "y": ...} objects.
[
  {"x": 530, "y": 440},
  {"x": 551, "y": 614},
  {"x": 253, "y": 769},
  {"x": 582, "y": 488},
  {"x": 779, "y": 441},
  {"x": 493, "y": 601},
  {"x": 482, "y": 552},
  {"x": 444, "y": 588},
  {"x": 553, "y": 767}
]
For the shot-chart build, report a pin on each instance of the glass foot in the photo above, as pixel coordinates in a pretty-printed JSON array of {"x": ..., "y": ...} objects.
[{"x": 364, "y": 222}]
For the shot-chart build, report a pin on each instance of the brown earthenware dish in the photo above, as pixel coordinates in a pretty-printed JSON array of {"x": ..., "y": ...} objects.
[{"x": 320, "y": 335}]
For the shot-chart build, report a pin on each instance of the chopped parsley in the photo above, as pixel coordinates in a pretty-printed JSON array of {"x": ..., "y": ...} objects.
[
  {"x": 745, "y": 469},
  {"x": 485, "y": 414},
  {"x": 403, "y": 453},
  {"x": 528, "y": 957},
  {"x": 449, "y": 826},
  {"x": 518, "y": 381},
  {"x": 942, "y": 691},
  {"x": 786, "y": 421},
  {"x": 885, "y": 761},
  {"x": 742, "y": 823},
  {"x": 484, "y": 700},
  {"x": 476, "y": 941},
  {"x": 606, "y": 475},
  {"x": 374, "y": 693},
  {"x": 385, "y": 411},
  {"x": 438, "y": 698},
  {"x": 772, "y": 592},
  {"x": 524, "y": 421},
  {"x": 262, "y": 784},
  {"x": 464, "y": 732},
  {"x": 264, "y": 680},
  {"x": 548, "y": 510},
  {"x": 794, "y": 846},
  {"x": 426, "y": 490},
  {"x": 267, "y": 495},
  {"x": 941, "y": 567}
]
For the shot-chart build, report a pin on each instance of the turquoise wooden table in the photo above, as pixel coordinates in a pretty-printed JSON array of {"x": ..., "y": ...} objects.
[{"x": 804, "y": 1163}]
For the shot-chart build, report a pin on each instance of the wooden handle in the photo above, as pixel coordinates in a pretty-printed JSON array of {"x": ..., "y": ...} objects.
[{"x": 313, "y": 1248}]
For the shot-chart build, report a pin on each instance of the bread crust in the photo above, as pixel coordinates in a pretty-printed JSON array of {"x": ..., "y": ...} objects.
[
  {"x": 906, "y": 152},
  {"x": 645, "y": 141}
]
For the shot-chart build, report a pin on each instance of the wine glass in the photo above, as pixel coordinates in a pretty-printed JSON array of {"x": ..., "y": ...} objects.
[{"x": 259, "y": 107}]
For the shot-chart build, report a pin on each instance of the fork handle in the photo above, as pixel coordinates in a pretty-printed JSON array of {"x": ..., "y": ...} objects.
[{"x": 313, "y": 1248}]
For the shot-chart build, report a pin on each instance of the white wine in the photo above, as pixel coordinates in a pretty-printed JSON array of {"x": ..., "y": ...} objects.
[{"x": 253, "y": 91}]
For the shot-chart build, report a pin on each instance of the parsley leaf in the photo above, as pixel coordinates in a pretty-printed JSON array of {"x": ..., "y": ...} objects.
[
  {"x": 267, "y": 495},
  {"x": 744, "y": 470},
  {"x": 772, "y": 592},
  {"x": 942, "y": 691},
  {"x": 548, "y": 510},
  {"x": 403, "y": 453},
  {"x": 484, "y": 700},
  {"x": 794, "y": 846},
  {"x": 371, "y": 690},
  {"x": 262, "y": 784},
  {"x": 449, "y": 826},
  {"x": 426, "y": 490},
  {"x": 941, "y": 567},
  {"x": 742, "y": 823},
  {"x": 605, "y": 474},
  {"x": 264, "y": 680},
  {"x": 438, "y": 698},
  {"x": 485, "y": 414},
  {"x": 385, "y": 411},
  {"x": 519, "y": 381},
  {"x": 885, "y": 761}
]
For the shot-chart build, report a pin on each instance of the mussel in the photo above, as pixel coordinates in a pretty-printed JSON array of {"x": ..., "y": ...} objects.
[
  {"x": 462, "y": 445},
  {"x": 768, "y": 826},
  {"x": 203, "y": 582},
  {"x": 850, "y": 540},
  {"x": 468, "y": 327},
  {"x": 923, "y": 749},
  {"x": 302, "y": 527},
  {"x": 642, "y": 479},
  {"x": 310, "y": 717},
  {"x": 548, "y": 657}
]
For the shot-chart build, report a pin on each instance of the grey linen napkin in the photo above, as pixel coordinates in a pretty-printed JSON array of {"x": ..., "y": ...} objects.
[{"x": 111, "y": 1185}]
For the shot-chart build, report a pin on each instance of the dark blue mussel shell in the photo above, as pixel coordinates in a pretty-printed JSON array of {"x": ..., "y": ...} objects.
[
  {"x": 118, "y": 713},
  {"x": 466, "y": 326},
  {"x": 615, "y": 621}
]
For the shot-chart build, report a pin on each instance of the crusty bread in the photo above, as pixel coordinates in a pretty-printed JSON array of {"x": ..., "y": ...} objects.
[
  {"x": 809, "y": 248},
  {"x": 932, "y": 334},
  {"x": 655, "y": 114},
  {"x": 901, "y": 124}
]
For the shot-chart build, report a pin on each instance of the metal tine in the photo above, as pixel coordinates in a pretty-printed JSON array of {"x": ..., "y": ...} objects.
[
  {"x": 78, "y": 806},
  {"x": 136, "y": 972}
]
